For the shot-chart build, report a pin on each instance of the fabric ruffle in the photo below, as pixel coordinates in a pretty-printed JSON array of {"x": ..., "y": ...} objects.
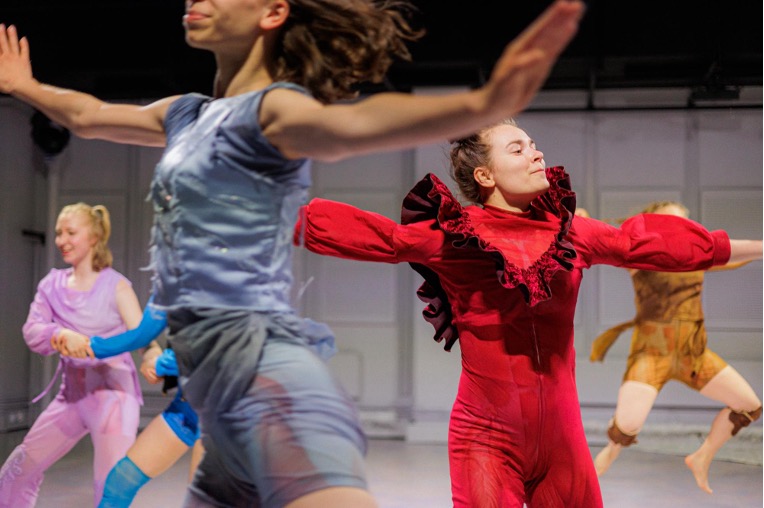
[{"x": 431, "y": 199}]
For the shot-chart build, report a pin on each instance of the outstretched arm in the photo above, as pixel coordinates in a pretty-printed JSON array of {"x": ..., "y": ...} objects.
[
  {"x": 655, "y": 242},
  {"x": 75, "y": 344},
  {"x": 302, "y": 127},
  {"x": 83, "y": 114},
  {"x": 744, "y": 251},
  {"x": 337, "y": 229},
  {"x": 151, "y": 326}
]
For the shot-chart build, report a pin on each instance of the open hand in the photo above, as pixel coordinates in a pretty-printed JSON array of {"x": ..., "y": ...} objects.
[
  {"x": 15, "y": 65},
  {"x": 527, "y": 61}
]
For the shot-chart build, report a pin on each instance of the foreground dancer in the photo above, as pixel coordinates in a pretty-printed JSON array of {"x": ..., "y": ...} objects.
[
  {"x": 278, "y": 428},
  {"x": 97, "y": 397},
  {"x": 503, "y": 278},
  {"x": 669, "y": 342}
]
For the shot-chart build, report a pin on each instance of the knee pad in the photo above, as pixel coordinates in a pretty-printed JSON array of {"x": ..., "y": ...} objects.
[
  {"x": 742, "y": 419},
  {"x": 618, "y": 436}
]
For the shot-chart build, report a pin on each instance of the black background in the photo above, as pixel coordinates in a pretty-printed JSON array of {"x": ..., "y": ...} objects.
[{"x": 136, "y": 49}]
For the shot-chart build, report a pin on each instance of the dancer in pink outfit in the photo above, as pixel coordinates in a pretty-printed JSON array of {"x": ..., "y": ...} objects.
[{"x": 97, "y": 397}]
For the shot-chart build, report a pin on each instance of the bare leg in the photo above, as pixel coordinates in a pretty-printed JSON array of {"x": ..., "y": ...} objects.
[
  {"x": 635, "y": 400},
  {"x": 606, "y": 457},
  {"x": 197, "y": 452},
  {"x": 728, "y": 387},
  {"x": 157, "y": 448}
]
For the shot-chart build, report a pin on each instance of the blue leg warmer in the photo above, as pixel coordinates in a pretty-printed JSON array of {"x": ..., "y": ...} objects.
[{"x": 122, "y": 484}]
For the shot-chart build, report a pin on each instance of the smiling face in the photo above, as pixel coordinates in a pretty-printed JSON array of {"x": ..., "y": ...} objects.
[
  {"x": 515, "y": 173},
  {"x": 74, "y": 238}
]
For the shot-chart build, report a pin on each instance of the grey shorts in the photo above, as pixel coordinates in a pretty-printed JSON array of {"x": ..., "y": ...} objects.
[{"x": 294, "y": 431}]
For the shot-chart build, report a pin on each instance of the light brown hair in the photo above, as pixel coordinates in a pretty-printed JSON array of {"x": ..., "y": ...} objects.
[{"x": 469, "y": 153}]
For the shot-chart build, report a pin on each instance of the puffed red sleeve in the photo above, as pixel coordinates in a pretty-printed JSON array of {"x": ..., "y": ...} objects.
[
  {"x": 651, "y": 242},
  {"x": 39, "y": 327},
  {"x": 337, "y": 229}
]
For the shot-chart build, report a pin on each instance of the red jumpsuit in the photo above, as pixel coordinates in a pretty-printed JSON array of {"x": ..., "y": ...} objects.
[{"x": 505, "y": 284}]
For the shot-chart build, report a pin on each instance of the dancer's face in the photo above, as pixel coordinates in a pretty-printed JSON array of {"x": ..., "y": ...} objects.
[
  {"x": 515, "y": 173},
  {"x": 74, "y": 238},
  {"x": 231, "y": 27}
]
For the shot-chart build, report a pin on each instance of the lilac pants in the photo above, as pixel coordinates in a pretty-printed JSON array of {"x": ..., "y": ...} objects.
[{"x": 109, "y": 416}]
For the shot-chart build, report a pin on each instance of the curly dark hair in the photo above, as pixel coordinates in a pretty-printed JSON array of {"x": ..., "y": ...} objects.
[
  {"x": 469, "y": 153},
  {"x": 329, "y": 46}
]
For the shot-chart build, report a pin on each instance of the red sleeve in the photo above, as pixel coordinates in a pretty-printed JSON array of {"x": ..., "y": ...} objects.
[
  {"x": 651, "y": 242},
  {"x": 337, "y": 229}
]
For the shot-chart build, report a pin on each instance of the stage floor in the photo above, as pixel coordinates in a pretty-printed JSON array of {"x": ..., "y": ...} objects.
[{"x": 406, "y": 475}]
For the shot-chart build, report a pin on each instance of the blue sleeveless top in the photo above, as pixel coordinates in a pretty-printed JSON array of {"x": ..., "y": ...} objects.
[{"x": 225, "y": 205}]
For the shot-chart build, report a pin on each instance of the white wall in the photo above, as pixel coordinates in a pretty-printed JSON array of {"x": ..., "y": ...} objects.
[
  {"x": 19, "y": 258},
  {"x": 619, "y": 159}
]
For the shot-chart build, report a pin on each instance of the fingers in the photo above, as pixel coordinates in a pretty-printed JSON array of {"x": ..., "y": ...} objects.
[
  {"x": 24, "y": 47},
  {"x": 4, "y": 48},
  {"x": 11, "y": 45},
  {"x": 13, "y": 39},
  {"x": 61, "y": 344},
  {"x": 9, "y": 40},
  {"x": 538, "y": 46},
  {"x": 74, "y": 353},
  {"x": 527, "y": 61},
  {"x": 563, "y": 16},
  {"x": 553, "y": 29}
]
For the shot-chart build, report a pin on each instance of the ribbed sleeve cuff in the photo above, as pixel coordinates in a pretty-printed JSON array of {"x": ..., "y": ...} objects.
[{"x": 722, "y": 248}]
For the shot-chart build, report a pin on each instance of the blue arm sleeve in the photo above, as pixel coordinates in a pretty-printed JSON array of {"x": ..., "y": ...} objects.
[{"x": 154, "y": 321}]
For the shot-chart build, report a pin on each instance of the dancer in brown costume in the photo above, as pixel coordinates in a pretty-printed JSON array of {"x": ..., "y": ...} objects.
[{"x": 669, "y": 342}]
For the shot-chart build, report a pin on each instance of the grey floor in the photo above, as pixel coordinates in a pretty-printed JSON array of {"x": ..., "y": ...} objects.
[{"x": 405, "y": 475}]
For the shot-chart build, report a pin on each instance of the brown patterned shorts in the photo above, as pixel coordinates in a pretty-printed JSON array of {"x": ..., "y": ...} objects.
[{"x": 661, "y": 351}]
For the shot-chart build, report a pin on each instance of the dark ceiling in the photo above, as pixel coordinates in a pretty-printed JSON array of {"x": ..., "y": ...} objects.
[{"x": 135, "y": 49}]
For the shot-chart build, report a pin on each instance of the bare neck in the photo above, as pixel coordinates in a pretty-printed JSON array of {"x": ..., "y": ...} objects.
[
  {"x": 83, "y": 276},
  {"x": 239, "y": 73}
]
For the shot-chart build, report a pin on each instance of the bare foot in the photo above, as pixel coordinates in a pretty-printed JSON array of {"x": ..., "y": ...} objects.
[{"x": 699, "y": 468}]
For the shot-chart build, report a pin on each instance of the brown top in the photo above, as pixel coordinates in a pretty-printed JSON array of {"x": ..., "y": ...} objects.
[
  {"x": 663, "y": 296},
  {"x": 658, "y": 296}
]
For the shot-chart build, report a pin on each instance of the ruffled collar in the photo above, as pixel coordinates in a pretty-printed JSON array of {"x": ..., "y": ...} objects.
[{"x": 431, "y": 199}]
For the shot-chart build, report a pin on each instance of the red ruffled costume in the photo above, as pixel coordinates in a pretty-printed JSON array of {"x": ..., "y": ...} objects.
[{"x": 505, "y": 284}]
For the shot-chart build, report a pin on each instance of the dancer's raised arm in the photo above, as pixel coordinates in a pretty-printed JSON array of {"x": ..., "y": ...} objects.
[
  {"x": 83, "y": 114},
  {"x": 302, "y": 127}
]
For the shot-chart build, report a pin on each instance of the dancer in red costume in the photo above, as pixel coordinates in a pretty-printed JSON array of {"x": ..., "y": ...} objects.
[{"x": 503, "y": 278}]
